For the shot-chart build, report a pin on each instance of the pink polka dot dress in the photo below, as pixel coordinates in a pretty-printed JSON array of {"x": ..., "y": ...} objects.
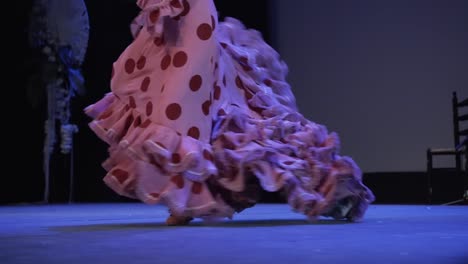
[{"x": 201, "y": 119}]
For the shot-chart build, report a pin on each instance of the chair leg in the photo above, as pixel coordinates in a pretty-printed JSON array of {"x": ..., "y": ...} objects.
[
  {"x": 429, "y": 176},
  {"x": 465, "y": 194},
  {"x": 462, "y": 171},
  {"x": 458, "y": 168}
]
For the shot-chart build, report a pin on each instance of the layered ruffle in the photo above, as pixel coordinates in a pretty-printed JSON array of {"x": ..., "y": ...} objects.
[
  {"x": 259, "y": 65},
  {"x": 284, "y": 150},
  {"x": 263, "y": 143},
  {"x": 153, "y": 12},
  {"x": 154, "y": 163}
]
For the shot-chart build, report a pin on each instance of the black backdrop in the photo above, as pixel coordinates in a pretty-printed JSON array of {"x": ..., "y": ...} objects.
[{"x": 23, "y": 177}]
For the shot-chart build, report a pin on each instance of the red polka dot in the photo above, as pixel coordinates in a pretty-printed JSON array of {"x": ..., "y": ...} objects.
[
  {"x": 153, "y": 161},
  {"x": 267, "y": 82},
  {"x": 165, "y": 62},
  {"x": 204, "y": 31},
  {"x": 129, "y": 66},
  {"x": 197, "y": 188},
  {"x": 155, "y": 195},
  {"x": 180, "y": 58},
  {"x": 158, "y": 41},
  {"x": 195, "y": 82},
  {"x": 239, "y": 82},
  {"x": 145, "y": 84},
  {"x": 154, "y": 16},
  {"x": 217, "y": 92},
  {"x": 206, "y": 107},
  {"x": 128, "y": 122},
  {"x": 120, "y": 175},
  {"x": 257, "y": 109},
  {"x": 105, "y": 114},
  {"x": 149, "y": 108},
  {"x": 175, "y": 4},
  {"x": 141, "y": 62},
  {"x": 137, "y": 122},
  {"x": 194, "y": 132},
  {"x": 178, "y": 180},
  {"x": 248, "y": 94},
  {"x": 175, "y": 158},
  {"x": 131, "y": 101},
  {"x": 186, "y": 10},
  {"x": 207, "y": 155},
  {"x": 244, "y": 62},
  {"x": 221, "y": 112},
  {"x": 145, "y": 124},
  {"x": 173, "y": 111}
]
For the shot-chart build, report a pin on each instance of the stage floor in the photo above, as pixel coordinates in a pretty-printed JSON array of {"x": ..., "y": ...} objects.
[{"x": 135, "y": 233}]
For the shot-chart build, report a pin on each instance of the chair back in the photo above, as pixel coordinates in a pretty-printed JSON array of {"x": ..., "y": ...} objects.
[{"x": 460, "y": 120}]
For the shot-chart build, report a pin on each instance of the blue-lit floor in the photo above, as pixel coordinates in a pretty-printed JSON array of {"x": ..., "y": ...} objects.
[{"x": 135, "y": 233}]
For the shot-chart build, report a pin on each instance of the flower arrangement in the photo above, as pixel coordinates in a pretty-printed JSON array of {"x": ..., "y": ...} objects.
[{"x": 56, "y": 69}]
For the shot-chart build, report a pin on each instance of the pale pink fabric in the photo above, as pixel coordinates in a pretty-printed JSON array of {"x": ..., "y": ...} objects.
[{"x": 201, "y": 118}]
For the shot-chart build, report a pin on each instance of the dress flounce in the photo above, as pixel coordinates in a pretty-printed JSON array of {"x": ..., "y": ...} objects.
[
  {"x": 153, "y": 12},
  {"x": 261, "y": 143}
]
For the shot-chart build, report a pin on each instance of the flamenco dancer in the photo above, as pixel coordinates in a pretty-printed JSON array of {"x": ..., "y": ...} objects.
[{"x": 200, "y": 118}]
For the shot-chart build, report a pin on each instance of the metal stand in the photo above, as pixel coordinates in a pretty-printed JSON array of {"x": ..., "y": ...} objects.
[{"x": 464, "y": 198}]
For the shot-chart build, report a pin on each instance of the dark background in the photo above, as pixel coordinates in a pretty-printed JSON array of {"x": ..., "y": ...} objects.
[{"x": 23, "y": 177}]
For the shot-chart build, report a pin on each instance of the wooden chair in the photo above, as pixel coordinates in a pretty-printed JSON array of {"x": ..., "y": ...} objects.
[{"x": 459, "y": 150}]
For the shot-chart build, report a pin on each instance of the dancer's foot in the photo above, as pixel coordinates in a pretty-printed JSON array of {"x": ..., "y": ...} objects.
[
  {"x": 342, "y": 209},
  {"x": 174, "y": 220}
]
